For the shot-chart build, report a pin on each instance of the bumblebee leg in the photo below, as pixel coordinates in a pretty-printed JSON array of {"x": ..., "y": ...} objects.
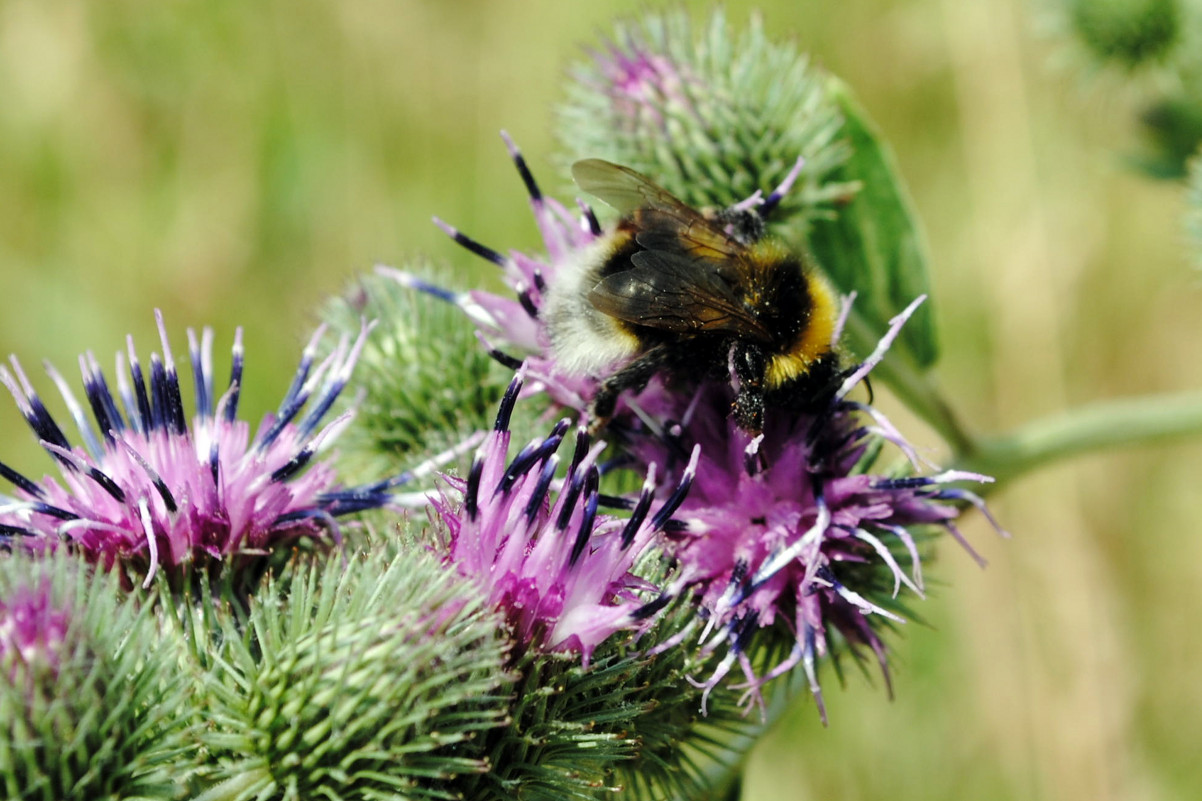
[
  {"x": 750, "y": 364},
  {"x": 634, "y": 375}
]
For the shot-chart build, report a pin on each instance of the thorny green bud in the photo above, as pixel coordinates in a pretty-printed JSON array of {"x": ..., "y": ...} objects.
[
  {"x": 354, "y": 677},
  {"x": 90, "y": 704},
  {"x": 712, "y": 115}
]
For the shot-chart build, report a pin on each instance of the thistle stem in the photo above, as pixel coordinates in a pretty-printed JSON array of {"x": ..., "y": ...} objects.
[{"x": 1105, "y": 424}]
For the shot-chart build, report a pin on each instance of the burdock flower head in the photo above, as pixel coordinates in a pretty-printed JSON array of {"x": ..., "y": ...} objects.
[
  {"x": 92, "y": 698},
  {"x": 149, "y": 491},
  {"x": 797, "y": 531},
  {"x": 560, "y": 572},
  {"x": 712, "y": 114},
  {"x": 32, "y": 629},
  {"x": 794, "y": 529}
]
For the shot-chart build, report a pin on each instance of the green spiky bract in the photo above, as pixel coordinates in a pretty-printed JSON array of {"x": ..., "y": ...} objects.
[
  {"x": 424, "y": 381},
  {"x": 628, "y": 726},
  {"x": 360, "y": 677},
  {"x": 106, "y": 721},
  {"x": 727, "y": 115}
]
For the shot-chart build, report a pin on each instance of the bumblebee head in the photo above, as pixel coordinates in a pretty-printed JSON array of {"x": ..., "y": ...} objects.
[{"x": 744, "y": 225}]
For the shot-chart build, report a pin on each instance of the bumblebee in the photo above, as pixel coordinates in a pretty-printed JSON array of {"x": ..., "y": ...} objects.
[{"x": 693, "y": 296}]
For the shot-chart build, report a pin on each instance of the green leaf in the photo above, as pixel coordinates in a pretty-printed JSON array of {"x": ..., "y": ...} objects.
[{"x": 874, "y": 244}]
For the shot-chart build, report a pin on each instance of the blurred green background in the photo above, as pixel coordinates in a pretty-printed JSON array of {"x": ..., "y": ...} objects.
[{"x": 235, "y": 163}]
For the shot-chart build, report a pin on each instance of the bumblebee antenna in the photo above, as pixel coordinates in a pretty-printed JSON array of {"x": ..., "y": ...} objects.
[{"x": 772, "y": 201}]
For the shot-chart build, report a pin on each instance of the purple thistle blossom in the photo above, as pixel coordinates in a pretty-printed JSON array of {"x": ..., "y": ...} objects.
[
  {"x": 640, "y": 83},
  {"x": 772, "y": 522},
  {"x": 559, "y": 571},
  {"x": 151, "y": 492},
  {"x": 32, "y": 629}
]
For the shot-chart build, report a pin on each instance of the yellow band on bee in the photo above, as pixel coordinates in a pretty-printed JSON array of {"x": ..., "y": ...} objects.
[{"x": 815, "y": 339}]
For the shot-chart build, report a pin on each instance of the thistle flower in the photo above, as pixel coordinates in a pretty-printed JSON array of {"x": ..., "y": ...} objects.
[
  {"x": 781, "y": 517},
  {"x": 423, "y": 385},
  {"x": 591, "y": 712},
  {"x": 1128, "y": 33},
  {"x": 715, "y": 116},
  {"x": 560, "y": 571},
  {"x": 32, "y": 630},
  {"x": 1147, "y": 50},
  {"x": 151, "y": 491},
  {"x": 711, "y": 115},
  {"x": 370, "y": 675},
  {"x": 791, "y": 530},
  {"x": 510, "y": 327},
  {"x": 92, "y": 703}
]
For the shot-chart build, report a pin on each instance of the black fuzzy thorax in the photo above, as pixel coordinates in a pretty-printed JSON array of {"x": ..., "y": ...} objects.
[
  {"x": 773, "y": 290},
  {"x": 701, "y": 310}
]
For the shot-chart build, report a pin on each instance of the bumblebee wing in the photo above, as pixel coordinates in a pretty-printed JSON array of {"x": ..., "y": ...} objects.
[
  {"x": 693, "y": 237},
  {"x": 672, "y": 291},
  {"x": 659, "y": 217},
  {"x": 687, "y": 278},
  {"x": 627, "y": 190}
]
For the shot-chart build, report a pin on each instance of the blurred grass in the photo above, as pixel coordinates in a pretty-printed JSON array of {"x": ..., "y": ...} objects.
[{"x": 235, "y": 163}]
